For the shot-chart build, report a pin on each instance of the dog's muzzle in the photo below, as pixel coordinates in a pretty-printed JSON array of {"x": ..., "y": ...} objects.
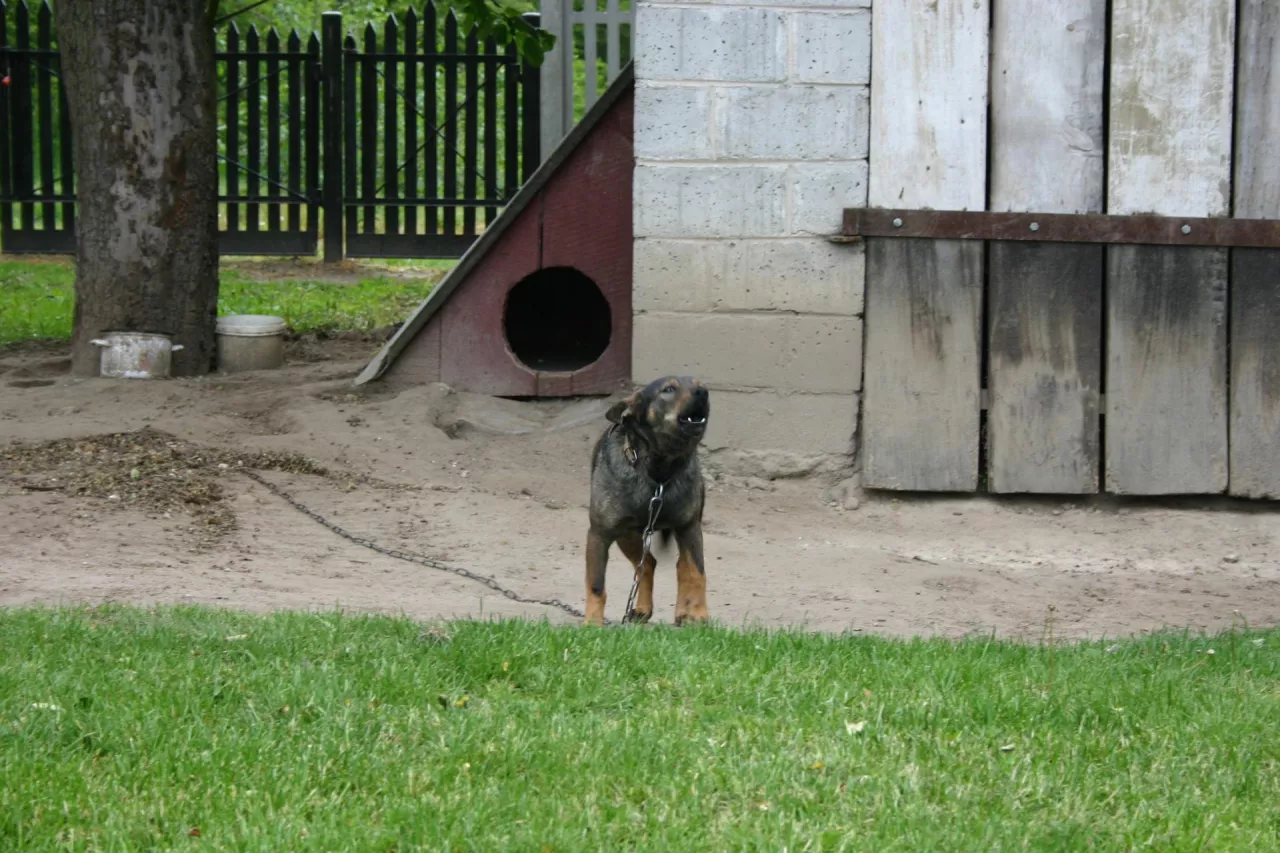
[{"x": 694, "y": 417}]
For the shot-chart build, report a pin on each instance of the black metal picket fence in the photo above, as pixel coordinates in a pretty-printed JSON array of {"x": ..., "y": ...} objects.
[{"x": 403, "y": 143}]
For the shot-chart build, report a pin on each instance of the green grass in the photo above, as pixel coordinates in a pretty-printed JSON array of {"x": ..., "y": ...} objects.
[
  {"x": 123, "y": 730},
  {"x": 309, "y": 306},
  {"x": 37, "y": 300}
]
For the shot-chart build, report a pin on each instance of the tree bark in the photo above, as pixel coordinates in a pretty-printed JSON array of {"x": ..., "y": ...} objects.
[{"x": 141, "y": 88}]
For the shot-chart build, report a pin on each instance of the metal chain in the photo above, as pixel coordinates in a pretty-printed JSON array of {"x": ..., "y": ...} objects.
[
  {"x": 646, "y": 541},
  {"x": 406, "y": 555}
]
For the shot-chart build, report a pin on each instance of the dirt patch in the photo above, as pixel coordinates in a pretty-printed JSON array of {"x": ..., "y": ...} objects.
[
  {"x": 312, "y": 347},
  {"x": 147, "y": 470},
  {"x": 500, "y": 487},
  {"x": 29, "y": 357}
]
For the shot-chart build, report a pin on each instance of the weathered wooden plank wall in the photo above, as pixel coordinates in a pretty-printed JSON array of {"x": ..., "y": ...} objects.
[
  {"x": 1045, "y": 299},
  {"x": 1169, "y": 152},
  {"x": 1255, "y": 273},
  {"x": 924, "y": 298}
]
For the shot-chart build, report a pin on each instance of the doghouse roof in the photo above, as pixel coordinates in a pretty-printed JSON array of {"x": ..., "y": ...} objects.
[{"x": 493, "y": 235}]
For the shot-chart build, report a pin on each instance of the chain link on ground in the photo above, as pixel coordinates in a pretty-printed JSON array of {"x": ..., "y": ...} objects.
[{"x": 407, "y": 556}]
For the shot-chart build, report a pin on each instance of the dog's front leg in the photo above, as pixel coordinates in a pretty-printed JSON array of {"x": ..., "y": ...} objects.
[
  {"x": 632, "y": 547},
  {"x": 691, "y": 576},
  {"x": 597, "y": 559}
]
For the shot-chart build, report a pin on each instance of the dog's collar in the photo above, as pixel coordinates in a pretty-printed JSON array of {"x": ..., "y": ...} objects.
[
  {"x": 629, "y": 451},
  {"x": 632, "y": 455}
]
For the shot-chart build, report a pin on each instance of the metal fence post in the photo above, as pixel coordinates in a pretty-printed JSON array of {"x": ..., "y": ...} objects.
[
  {"x": 331, "y": 72},
  {"x": 530, "y": 112}
]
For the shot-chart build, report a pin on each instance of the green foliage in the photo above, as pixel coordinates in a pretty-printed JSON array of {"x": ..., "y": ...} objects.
[
  {"x": 502, "y": 20},
  {"x": 122, "y": 729},
  {"x": 499, "y": 19}
]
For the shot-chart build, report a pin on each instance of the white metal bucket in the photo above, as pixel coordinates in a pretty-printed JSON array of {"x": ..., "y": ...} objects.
[{"x": 135, "y": 355}]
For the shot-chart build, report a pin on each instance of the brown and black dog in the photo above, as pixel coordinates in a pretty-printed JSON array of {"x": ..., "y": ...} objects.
[{"x": 653, "y": 440}]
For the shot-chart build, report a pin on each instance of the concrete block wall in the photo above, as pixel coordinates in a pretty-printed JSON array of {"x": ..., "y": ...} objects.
[{"x": 751, "y": 136}]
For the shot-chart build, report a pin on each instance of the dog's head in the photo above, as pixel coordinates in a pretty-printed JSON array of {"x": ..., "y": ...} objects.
[{"x": 673, "y": 411}]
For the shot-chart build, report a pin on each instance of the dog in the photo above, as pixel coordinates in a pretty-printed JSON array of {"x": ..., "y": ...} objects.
[{"x": 647, "y": 459}]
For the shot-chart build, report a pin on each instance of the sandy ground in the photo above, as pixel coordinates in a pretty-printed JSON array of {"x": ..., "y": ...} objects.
[{"x": 428, "y": 471}]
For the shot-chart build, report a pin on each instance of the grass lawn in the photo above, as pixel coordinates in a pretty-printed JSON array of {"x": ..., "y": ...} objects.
[
  {"x": 127, "y": 730},
  {"x": 37, "y": 298}
]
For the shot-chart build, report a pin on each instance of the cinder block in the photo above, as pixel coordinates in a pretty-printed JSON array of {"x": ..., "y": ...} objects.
[
  {"x": 808, "y": 424},
  {"x": 818, "y": 354},
  {"x": 681, "y": 275},
  {"x": 710, "y": 44},
  {"x": 709, "y": 201},
  {"x": 793, "y": 123},
  {"x": 833, "y": 47},
  {"x": 821, "y": 191},
  {"x": 672, "y": 122},
  {"x": 804, "y": 276}
]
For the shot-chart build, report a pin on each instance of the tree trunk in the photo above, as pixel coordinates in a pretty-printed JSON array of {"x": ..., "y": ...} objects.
[{"x": 141, "y": 88}]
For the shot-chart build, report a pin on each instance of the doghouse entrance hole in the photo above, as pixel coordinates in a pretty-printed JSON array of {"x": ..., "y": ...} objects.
[{"x": 556, "y": 319}]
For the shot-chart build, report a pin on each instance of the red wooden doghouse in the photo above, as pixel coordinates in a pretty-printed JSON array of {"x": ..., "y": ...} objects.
[{"x": 540, "y": 305}]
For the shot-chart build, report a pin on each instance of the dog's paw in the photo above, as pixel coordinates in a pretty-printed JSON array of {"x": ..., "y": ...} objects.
[
  {"x": 637, "y": 617},
  {"x": 692, "y": 618}
]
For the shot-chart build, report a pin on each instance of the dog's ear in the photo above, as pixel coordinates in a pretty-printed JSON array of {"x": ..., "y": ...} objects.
[{"x": 622, "y": 409}]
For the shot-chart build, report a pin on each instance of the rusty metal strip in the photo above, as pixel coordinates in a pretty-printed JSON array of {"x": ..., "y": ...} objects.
[{"x": 1060, "y": 228}]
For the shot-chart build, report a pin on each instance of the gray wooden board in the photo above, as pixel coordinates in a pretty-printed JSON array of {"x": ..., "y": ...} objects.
[
  {"x": 1169, "y": 152},
  {"x": 1044, "y": 300},
  {"x": 1045, "y": 350},
  {"x": 1166, "y": 426},
  {"x": 928, "y": 149},
  {"x": 1255, "y": 373},
  {"x": 1047, "y": 106},
  {"x": 1257, "y": 138},
  {"x": 1255, "y": 273},
  {"x": 923, "y": 358},
  {"x": 1171, "y": 87}
]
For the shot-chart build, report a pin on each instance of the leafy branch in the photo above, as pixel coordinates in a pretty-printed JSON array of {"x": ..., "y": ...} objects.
[{"x": 501, "y": 20}]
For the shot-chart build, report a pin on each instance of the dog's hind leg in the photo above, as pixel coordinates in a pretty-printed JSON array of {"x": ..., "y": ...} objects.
[
  {"x": 597, "y": 559},
  {"x": 632, "y": 547},
  {"x": 691, "y": 576}
]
